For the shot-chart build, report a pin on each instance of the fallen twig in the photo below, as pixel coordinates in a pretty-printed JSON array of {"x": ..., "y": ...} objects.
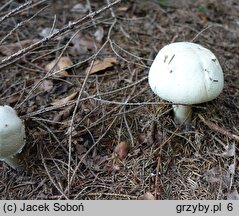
[
  {"x": 219, "y": 129},
  {"x": 158, "y": 186},
  {"x": 16, "y": 10},
  {"x": 4, "y": 62}
]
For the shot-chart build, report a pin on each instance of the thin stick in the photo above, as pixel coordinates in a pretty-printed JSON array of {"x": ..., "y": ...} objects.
[
  {"x": 63, "y": 30},
  {"x": 219, "y": 129},
  {"x": 74, "y": 113},
  {"x": 159, "y": 164},
  {"x": 14, "y": 11},
  {"x": 96, "y": 142},
  {"x": 201, "y": 32},
  {"x": 113, "y": 194},
  {"x": 49, "y": 175},
  {"x": 24, "y": 22}
]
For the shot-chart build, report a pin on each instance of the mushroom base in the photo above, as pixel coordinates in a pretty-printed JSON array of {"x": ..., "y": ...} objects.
[
  {"x": 182, "y": 114},
  {"x": 14, "y": 162}
]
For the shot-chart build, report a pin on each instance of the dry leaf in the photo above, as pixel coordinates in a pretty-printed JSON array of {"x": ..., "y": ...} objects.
[
  {"x": 45, "y": 85},
  {"x": 122, "y": 9},
  {"x": 233, "y": 195},
  {"x": 147, "y": 196},
  {"x": 63, "y": 114},
  {"x": 82, "y": 43},
  {"x": 102, "y": 65},
  {"x": 122, "y": 150},
  {"x": 62, "y": 101},
  {"x": 59, "y": 67},
  {"x": 9, "y": 49},
  {"x": 13, "y": 98},
  {"x": 64, "y": 63}
]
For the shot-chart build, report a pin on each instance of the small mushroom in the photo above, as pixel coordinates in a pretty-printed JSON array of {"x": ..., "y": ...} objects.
[
  {"x": 185, "y": 73},
  {"x": 12, "y": 137}
]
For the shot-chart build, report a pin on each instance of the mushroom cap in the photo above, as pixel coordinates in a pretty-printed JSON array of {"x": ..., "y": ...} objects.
[
  {"x": 12, "y": 133},
  {"x": 186, "y": 73}
]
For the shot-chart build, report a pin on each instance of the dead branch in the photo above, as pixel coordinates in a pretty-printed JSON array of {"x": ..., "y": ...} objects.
[
  {"x": 14, "y": 11},
  {"x": 219, "y": 129},
  {"x": 10, "y": 59},
  {"x": 24, "y": 22}
]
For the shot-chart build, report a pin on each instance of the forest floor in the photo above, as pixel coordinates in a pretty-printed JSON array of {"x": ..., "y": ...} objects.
[{"x": 95, "y": 129}]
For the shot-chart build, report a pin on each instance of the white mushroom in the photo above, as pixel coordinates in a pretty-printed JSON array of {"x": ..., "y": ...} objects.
[
  {"x": 185, "y": 73},
  {"x": 12, "y": 136}
]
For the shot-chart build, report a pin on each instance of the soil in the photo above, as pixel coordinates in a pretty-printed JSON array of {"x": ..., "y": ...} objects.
[{"x": 96, "y": 130}]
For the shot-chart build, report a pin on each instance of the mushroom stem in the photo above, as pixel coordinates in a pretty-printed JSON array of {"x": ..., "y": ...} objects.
[
  {"x": 14, "y": 162},
  {"x": 182, "y": 114}
]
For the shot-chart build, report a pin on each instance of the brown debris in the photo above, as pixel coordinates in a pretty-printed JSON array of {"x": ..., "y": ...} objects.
[
  {"x": 122, "y": 149},
  {"x": 74, "y": 121},
  {"x": 147, "y": 196},
  {"x": 99, "y": 66},
  {"x": 59, "y": 66},
  {"x": 62, "y": 101}
]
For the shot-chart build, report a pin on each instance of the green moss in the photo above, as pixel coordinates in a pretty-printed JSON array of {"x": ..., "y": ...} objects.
[{"x": 163, "y": 2}]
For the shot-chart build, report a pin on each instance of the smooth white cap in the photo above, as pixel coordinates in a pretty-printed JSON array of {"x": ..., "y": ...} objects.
[
  {"x": 12, "y": 133},
  {"x": 186, "y": 73}
]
